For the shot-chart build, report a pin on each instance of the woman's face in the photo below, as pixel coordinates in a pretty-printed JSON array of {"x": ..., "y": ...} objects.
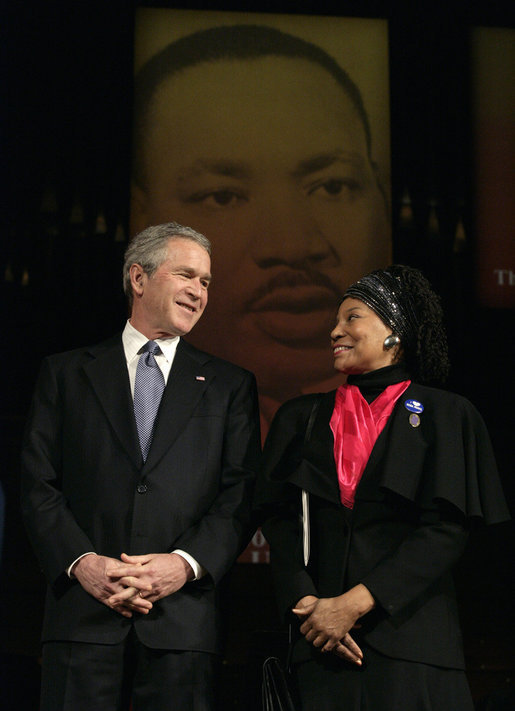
[{"x": 358, "y": 339}]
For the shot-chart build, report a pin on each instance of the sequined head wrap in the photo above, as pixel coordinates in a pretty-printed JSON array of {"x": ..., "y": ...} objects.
[{"x": 383, "y": 293}]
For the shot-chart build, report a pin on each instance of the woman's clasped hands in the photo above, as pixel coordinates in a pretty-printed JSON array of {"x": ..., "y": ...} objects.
[{"x": 326, "y": 621}]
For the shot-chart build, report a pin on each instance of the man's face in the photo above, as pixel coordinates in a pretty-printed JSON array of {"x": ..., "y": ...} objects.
[
  {"x": 171, "y": 301},
  {"x": 268, "y": 158}
]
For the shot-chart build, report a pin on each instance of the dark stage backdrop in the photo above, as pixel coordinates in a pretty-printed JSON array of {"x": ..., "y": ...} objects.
[{"x": 441, "y": 112}]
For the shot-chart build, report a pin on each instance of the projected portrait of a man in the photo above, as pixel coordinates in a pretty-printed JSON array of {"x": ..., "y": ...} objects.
[{"x": 259, "y": 139}]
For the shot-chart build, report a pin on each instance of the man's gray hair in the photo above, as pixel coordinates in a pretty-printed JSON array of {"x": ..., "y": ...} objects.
[{"x": 149, "y": 247}]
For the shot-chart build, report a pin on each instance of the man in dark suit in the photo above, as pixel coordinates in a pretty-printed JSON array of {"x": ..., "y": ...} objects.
[{"x": 135, "y": 524}]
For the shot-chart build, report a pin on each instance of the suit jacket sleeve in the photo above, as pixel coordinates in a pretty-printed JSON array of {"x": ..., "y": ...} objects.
[
  {"x": 421, "y": 558},
  {"x": 223, "y": 531},
  {"x": 57, "y": 538}
]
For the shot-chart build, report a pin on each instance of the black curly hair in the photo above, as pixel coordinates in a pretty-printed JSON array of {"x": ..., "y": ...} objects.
[{"x": 427, "y": 358}]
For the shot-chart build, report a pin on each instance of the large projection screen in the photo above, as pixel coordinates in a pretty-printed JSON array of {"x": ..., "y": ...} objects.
[{"x": 270, "y": 134}]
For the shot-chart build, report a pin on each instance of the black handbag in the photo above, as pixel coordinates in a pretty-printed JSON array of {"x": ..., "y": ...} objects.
[{"x": 275, "y": 691}]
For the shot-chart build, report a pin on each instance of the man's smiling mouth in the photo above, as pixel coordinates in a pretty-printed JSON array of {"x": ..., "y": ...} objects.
[{"x": 188, "y": 307}]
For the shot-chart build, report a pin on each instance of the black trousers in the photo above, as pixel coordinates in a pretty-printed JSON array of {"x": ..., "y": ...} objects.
[{"x": 79, "y": 676}]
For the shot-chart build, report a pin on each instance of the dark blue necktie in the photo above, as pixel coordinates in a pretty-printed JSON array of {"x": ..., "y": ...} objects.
[{"x": 148, "y": 390}]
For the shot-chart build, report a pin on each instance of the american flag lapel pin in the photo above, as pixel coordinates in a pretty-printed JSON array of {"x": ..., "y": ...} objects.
[{"x": 199, "y": 377}]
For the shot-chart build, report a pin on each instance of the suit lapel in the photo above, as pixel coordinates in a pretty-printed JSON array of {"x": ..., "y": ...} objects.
[
  {"x": 189, "y": 377},
  {"x": 108, "y": 374}
]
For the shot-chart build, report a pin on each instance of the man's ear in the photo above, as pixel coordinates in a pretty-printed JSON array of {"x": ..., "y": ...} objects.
[
  {"x": 139, "y": 210},
  {"x": 138, "y": 277}
]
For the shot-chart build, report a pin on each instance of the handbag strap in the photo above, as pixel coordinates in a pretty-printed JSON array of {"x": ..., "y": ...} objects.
[
  {"x": 306, "y": 537},
  {"x": 305, "y": 518},
  {"x": 312, "y": 417}
]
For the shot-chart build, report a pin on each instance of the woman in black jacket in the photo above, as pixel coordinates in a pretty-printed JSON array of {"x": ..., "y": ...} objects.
[{"x": 367, "y": 496}]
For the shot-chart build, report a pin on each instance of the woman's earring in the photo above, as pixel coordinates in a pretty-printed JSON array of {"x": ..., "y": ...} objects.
[{"x": 391, "y": 341}]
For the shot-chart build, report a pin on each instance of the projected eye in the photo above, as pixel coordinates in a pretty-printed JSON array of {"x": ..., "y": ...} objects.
[
  {"x": 335, "y": 188},
  {"x": 218, "y": 199}
]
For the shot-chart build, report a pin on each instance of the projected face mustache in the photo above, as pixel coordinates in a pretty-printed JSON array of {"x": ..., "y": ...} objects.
[{"x": 268, "y": 158}]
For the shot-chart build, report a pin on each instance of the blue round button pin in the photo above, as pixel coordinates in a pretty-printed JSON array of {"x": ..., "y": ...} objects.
[{"x": 414, "y": 406}]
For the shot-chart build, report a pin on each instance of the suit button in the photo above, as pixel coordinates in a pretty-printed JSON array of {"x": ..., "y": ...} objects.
[{"x": 142, "y": 489}]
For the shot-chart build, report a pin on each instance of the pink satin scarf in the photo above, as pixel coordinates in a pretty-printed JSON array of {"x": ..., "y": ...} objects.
[{"x": 356, "y": 425}]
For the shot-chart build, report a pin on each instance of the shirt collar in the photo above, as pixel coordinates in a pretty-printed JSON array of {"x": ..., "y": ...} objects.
[{"x": 133, "y": 341}]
